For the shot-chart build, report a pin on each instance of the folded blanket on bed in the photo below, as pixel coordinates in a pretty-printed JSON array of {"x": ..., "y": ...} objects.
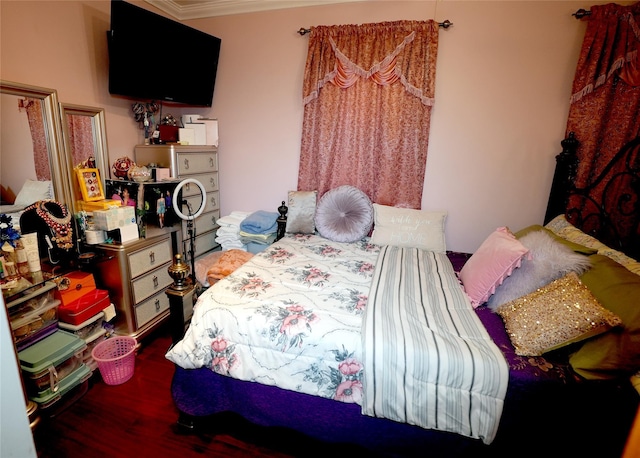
[
  {"x": 234, "y": 219},
  {"x": 260, "y": 222},
  {"x": 227, "y": 263},
  {"x": 428, "y": 360}
]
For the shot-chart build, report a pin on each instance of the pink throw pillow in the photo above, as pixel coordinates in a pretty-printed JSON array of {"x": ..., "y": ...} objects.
[{"x": 494, "y": 261}]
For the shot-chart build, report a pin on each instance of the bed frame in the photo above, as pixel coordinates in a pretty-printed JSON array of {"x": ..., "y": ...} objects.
[
  {"x": 323, "y": 425},
  {"x": 609, "y": 207}
]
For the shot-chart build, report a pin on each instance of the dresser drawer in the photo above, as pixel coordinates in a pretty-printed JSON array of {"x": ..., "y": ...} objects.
[
  {"x": 190, "y": 163},
  {"x": 151, "y": 283},
  {"x": 208, "y": 180},
  {"x": 212, "y": 203},
  {"x": 202, "y": 244},
  {"x": 149, "y": 258},
  {"x": 151, "y": 308},
  {"x": 203, "y": 223}
]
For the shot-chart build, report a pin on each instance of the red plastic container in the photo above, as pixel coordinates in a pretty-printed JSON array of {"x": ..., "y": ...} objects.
[{"x": 85, "y": 307}]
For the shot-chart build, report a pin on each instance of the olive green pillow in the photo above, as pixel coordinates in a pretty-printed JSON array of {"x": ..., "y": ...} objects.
[
  {"x": 617, "y": 352},
  {"x": 572, "y": 245}
]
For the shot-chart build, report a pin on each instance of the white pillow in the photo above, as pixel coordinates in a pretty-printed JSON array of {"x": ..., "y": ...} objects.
[
  {"x": 33, "y": 191},
  {"x": 406, "y": 227}
]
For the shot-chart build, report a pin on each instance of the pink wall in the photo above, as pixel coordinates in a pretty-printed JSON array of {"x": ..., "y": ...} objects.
[{"x": 503, "y": 83}]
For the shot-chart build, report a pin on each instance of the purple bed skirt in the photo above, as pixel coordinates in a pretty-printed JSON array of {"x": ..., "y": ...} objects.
[{"x": 546, "y": 408}]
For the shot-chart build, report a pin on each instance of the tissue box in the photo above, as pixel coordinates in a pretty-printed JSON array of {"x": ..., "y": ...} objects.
[
  {"x": 161, "y": 173},
  {"x": 108, "y": 220},
  {"x": 125, "y": 233}
]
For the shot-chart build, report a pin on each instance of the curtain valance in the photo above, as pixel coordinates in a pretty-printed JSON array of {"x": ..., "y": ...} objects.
[
  {"x": 611, "y": 44},
  {"x": 382, "y": 61}
]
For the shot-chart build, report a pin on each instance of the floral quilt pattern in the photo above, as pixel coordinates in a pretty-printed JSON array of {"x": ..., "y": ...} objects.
[{"x": 290, "y": 317}]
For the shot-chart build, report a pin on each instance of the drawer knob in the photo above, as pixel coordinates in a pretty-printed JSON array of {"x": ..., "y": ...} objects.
[
  {"x": 152, "y": 256},
  {"x": 212, "y": 181},
  {"x": 155, "y": 281},
  {"x": 157, "y": 305},
  {"x": 211, "y": 162},
  {"x": 213, "y": 201},
  {"x": 186, "y": 163}
]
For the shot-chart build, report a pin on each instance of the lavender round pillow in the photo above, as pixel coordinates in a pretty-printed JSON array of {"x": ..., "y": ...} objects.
[{"x": 344, "y": 214}]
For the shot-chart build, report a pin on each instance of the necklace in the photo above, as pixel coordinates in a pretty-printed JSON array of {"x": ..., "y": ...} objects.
[{"x": 61, "y": 226}]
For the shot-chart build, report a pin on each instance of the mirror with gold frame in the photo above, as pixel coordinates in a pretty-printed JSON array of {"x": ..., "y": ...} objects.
[
  {"x": 85, "y": 141},
  {"x": 44, "y": 140}
]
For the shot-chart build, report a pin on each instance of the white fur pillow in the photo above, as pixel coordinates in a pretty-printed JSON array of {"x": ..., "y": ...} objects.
[{"x": 548, "y": 260}]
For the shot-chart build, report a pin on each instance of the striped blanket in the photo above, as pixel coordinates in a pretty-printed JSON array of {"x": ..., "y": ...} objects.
[{"x": 428, "y": 360}]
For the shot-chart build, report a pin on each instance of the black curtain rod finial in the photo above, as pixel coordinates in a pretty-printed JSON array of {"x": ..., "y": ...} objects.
[
  {"x": 581, "y": 13},
  {"x": 446, "y": 24}
]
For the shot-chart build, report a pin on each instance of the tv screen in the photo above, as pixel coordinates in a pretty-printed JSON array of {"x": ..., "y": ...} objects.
[{"x": 152, "y": 57}]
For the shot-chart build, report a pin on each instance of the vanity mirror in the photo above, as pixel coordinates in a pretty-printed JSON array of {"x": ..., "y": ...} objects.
[
  {"x": 85, "y": 139},
  {"x": 33, "y": 139}
]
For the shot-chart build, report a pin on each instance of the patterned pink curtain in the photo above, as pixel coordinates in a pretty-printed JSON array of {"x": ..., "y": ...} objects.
[
  {"x": 368, "y": 92},
  {"x": 33, "y": 108},
  {"x": 80, "y": 138},
  {"x": 605, "y": 102}
]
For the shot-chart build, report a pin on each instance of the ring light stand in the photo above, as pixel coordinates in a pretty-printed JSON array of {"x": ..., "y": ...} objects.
[{"x": 189, "y": 218}]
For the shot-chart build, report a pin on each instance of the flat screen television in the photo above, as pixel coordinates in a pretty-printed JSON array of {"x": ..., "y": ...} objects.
[{"x": 152, "y": 57}]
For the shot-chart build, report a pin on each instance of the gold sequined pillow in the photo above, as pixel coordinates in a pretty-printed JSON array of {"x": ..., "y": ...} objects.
[{"x": 558, "y": 314}]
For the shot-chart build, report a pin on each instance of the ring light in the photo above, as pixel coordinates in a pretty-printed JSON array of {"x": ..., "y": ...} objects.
[{"x": 176, "y": 207}]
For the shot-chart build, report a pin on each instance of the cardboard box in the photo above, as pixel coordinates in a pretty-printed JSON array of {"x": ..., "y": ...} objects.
[
  {"x": 108, "y": 220},
  {"x": 199, "y": 133},
  {"x": 162, "y": 173},
  {"x": 187, "y": 136},
  {"x": 211, "y": 128}
]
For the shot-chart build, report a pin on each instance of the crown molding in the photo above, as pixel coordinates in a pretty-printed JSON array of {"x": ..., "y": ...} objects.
[{"x": 183, "y": 10}]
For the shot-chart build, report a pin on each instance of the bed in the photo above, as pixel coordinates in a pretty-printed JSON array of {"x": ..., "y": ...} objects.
[
  {"x": 332, "y": 358},
  {"x": 31, "y": 192}
]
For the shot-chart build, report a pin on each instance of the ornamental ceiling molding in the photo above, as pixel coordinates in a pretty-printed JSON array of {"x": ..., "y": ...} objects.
[{"x": 197, "y": 9}]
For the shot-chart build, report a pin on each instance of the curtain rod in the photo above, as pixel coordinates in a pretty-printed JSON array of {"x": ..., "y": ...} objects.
[
  {"x": 445, "y": 25},
  {"x": 581, "y": 13}
]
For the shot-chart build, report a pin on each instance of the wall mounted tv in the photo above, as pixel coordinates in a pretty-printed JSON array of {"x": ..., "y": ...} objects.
[{"x": 152, "y": 57}]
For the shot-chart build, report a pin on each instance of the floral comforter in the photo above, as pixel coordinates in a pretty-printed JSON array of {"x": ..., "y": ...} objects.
[{"x": 290, "y": 317}]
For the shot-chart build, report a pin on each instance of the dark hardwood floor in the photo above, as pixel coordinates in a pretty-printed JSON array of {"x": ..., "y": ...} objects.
[{"x": 138, "y": 419}]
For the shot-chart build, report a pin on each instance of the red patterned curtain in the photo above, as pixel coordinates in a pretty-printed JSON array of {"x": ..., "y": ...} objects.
[
  {"x": 368, "y": 92},
  {"x": 80, "y": 138},
  {"x": 33, "y": 108},
  {"x": 605, "y": 106}
]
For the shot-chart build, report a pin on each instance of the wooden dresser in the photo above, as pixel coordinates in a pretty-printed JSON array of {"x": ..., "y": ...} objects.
[
  {"x": 136, "y": 275},
  {"x": 200, "y": 163}
]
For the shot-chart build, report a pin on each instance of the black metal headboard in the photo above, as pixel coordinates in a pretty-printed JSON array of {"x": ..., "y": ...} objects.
[{"x": 609, "y": 207}]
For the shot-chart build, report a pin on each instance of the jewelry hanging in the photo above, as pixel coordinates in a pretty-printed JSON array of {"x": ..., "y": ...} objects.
[{"x": 60, "y": 226}]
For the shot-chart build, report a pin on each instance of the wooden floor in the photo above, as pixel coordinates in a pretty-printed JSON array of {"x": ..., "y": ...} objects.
[{"x": 138, "y": 419}]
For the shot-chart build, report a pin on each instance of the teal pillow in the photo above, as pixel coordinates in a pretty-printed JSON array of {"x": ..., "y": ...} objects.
[{"x": 617, "y": 352}]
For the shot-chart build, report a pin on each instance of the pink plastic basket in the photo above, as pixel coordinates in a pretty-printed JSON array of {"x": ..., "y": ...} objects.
[{"x": 116, "y": 358}]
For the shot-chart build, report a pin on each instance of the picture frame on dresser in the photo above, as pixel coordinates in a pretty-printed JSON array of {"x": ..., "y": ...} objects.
[
  {"x": 152, "y": 199},
  {"x": 90, "y": 184}
]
